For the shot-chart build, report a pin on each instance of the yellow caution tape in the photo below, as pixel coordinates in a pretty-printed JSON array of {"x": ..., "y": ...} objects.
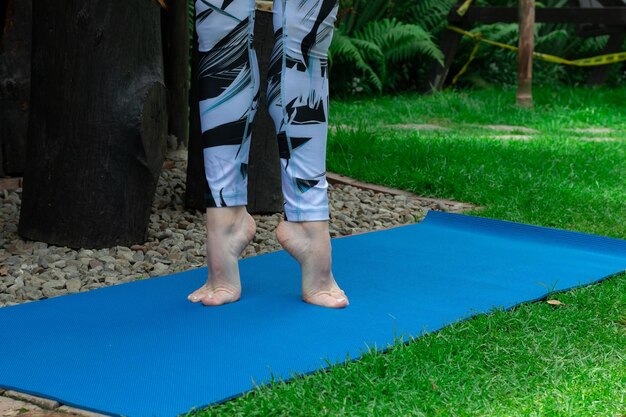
[
  {"x": 466, "y": 66},
  {"x": 463, "y": 8},
  {"x": 584, "y": 62}
]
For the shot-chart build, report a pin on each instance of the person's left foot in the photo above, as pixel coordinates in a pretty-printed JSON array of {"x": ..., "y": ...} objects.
[{"x": 309, "y": 244}]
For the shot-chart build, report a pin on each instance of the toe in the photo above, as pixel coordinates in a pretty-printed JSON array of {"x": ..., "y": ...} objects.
[
  {"x": 195, "y": 297},
  {"x": 219, "y": 296},
  {"x": 214, "y": 296},
  {"x": 331, "y": 299}
]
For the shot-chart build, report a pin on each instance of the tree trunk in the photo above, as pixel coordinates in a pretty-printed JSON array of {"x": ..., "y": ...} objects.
[
  {"x": 264, "y": 186},
  {"x": 525, "y": 53},
  {"x": 176, "y": 50},
  {"x": 196, "y": 185},
  {"x": 15, "y": 43},
  {"x": 98, "y": 122}
]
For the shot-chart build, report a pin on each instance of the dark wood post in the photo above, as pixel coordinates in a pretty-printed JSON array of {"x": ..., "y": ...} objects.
[
  {"x": 525, "y": 52},
  {"x": 600, "y": 73},
  {"x": 196, "y": 186},
  {"x": 98, "y": 122},
  {"x": 449, "y": 44},
  {"x": 176, "y": 51},
  {"x": 15, "y": 45},
  {"x": 264, "y": 187}
]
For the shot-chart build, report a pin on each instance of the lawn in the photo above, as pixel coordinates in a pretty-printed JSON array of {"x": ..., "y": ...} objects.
[
  {"x": 559, "y": 178},
  {"x": 536, "y": 359}
]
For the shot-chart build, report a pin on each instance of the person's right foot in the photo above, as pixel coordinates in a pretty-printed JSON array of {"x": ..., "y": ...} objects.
[
  {"x": 309, "y": 244},
  {"x": 229, "y": 230}
]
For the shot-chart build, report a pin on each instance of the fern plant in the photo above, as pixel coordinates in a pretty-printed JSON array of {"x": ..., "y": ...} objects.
[
  {"x": 429, "y": 14},
  {"x": 376, "y": 48}
]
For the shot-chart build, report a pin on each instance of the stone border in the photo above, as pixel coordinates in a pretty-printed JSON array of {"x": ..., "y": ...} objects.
[
  {"x": 441, "y": 203},
  {"x": 14, "y": 402}
]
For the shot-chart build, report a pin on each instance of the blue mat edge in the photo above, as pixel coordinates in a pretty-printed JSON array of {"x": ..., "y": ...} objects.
[
  {"x": 325, "y": 368},
  {"x": 432, "y": 217},
  {"x": 505, "y": 227}
]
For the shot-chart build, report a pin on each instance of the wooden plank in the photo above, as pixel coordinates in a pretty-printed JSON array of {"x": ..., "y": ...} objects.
[
  {"x": 589, "y": 30},
  {"x": 607, "y": 15},
  {"x": 10, "y": 183}
]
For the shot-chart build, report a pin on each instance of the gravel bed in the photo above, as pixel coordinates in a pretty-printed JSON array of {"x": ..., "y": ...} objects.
[{"x": 35, "y": 270}]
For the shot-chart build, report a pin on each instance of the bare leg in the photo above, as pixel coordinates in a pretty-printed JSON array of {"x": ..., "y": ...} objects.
[
  {"x": 297, "y": 97},
  {"x": 228, "y": 80},
  {"x": 309, "y": 244},
  {"x": 229, "y": 230}
]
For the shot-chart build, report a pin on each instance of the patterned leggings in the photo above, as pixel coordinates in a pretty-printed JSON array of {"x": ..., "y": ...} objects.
[{"x": 297, "y": 96}]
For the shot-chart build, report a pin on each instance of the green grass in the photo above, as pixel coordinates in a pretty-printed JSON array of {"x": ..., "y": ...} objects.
[
  {"x": 556, "y": 179},
  {"x": 534, "y": 360},
  {"x": 554, "y": 110}
]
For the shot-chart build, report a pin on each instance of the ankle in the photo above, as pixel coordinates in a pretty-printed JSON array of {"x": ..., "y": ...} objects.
[{"x": 225, "y": 216}]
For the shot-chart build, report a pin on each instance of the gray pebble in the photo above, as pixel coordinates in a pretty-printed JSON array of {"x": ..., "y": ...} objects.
[
  {"x": 52, "y": 292},
  {"x": 175, "y": 241},
  {"x": 107, "y": 259},
  {"x": 56, "y": 283},
  {"x": 73, "y": 285},
  {"x": 94, "y": 263}
]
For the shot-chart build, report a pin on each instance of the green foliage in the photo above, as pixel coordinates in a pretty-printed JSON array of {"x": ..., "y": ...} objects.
[
  {"x": 369, "y": 51},
  {"x": 429, "y": 14},
  {"x": 361, "y": 71},
  {"x": 345, "y": 49},
  {"x": 495, "y": 66},
  {"x": 354, "y": 15}
]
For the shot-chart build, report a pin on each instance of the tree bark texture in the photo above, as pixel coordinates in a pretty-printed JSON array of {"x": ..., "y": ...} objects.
[
  {"x": 15, "y": 50},
  {"x": 525, "y": 52},
  {"x": 176, "y": 51},
  {"x": 264, "y": 185},
  {"x": 196, "y": 185},
  {"x": 98, "y": 122}
]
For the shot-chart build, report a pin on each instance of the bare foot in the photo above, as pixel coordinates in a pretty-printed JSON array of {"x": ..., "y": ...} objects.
[
  {"x": 229, "y": 230},
  {"x": 309, "y": 243}
]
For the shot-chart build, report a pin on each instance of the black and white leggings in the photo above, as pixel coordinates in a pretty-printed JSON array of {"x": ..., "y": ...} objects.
[{"x": 297, "y": 96}]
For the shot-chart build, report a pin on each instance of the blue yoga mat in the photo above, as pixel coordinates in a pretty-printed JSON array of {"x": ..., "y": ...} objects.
[{"x": 141, "y": 349}]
